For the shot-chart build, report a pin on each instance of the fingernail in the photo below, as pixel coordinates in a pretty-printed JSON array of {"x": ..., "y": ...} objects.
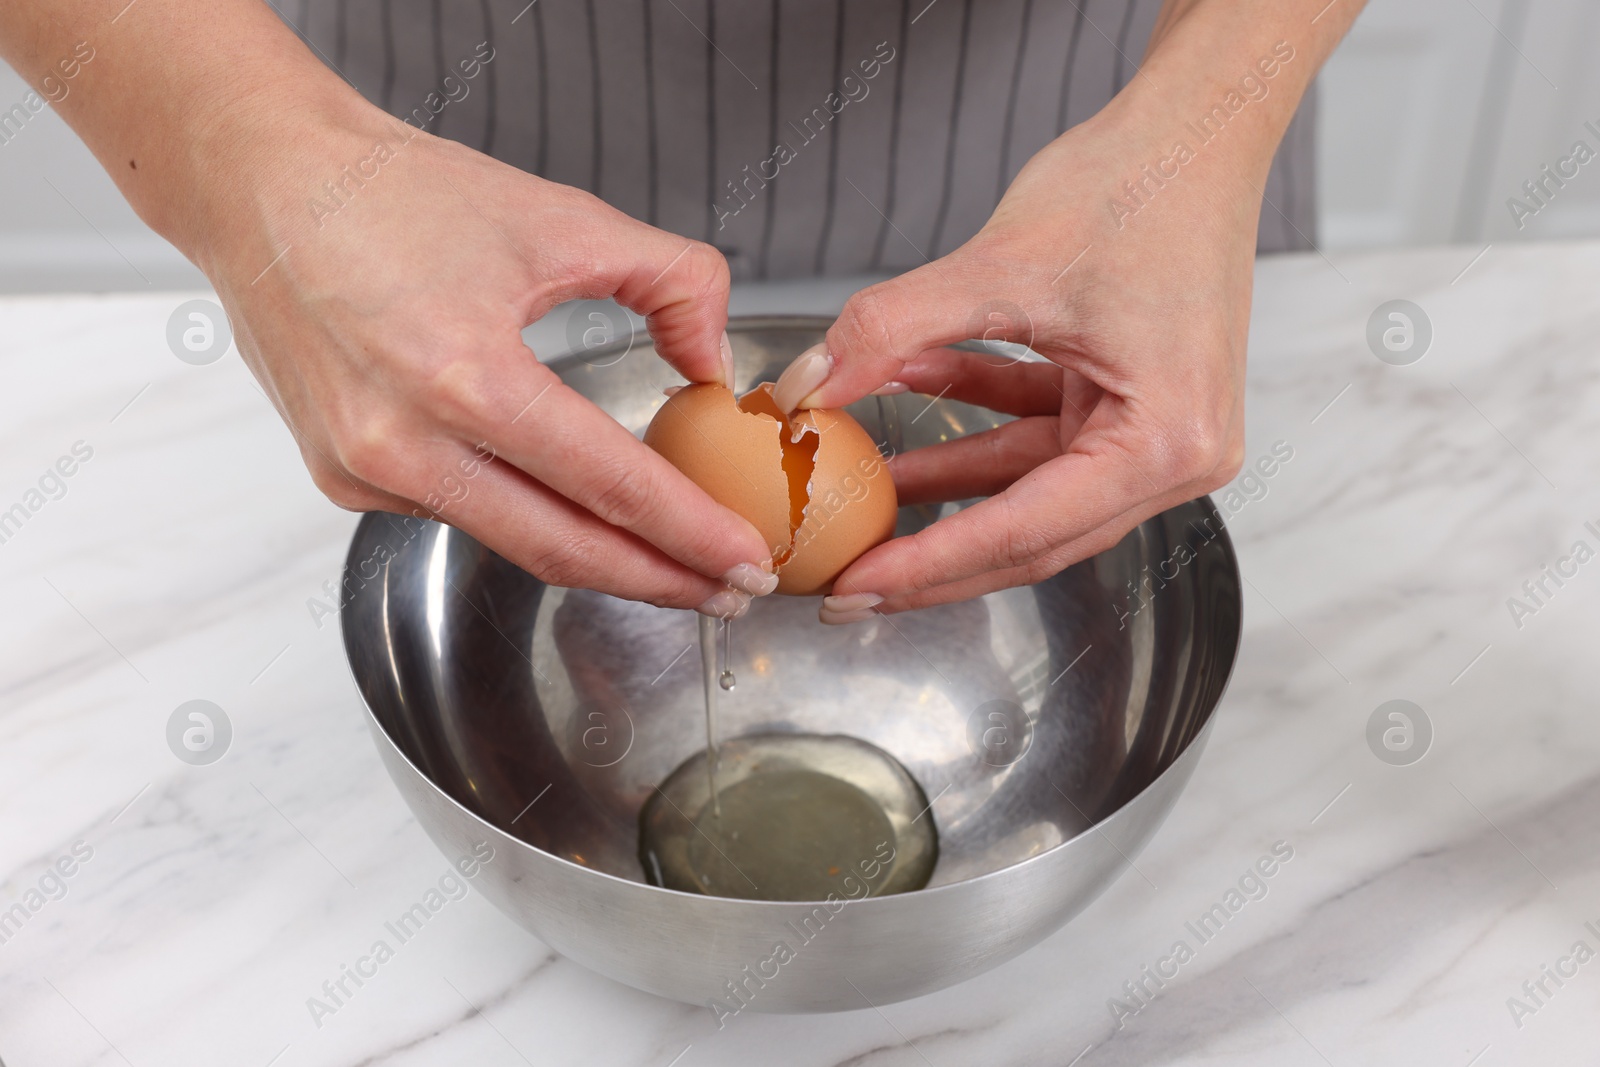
[
  {"x": 672, "y": 390},
  {"x": 802, "y": 378},
  {"x": 749, "y": 578},
  {"x": 843, "y": 610},
  {"x": 844, "y": 618},
  {"x": 851, "y": 603},
  {"x": 891, "y": 388},
  {"x": 728, "y": 604},
  {"x": 727, "y": 360}
]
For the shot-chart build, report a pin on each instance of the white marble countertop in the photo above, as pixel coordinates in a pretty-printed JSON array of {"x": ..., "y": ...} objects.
[{"x": 205, "y": 904}]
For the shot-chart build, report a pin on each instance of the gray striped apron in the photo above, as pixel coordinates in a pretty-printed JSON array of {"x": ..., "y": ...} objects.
[{"x": 801, "y": 137}]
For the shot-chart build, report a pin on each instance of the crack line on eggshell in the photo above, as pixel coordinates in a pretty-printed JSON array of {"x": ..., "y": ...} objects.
[{"x": 797, "y": 426}]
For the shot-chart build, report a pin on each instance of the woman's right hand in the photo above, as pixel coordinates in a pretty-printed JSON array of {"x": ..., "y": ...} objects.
[{"x": 385, "y": 327}]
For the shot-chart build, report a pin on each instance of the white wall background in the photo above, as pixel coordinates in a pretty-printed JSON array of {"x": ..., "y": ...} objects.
[{"x": 1434, "y": 113}]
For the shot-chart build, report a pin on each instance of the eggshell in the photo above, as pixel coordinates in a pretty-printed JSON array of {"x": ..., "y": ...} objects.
[
  {"x": 850, "y": 499},
  {"x": 813, "y": 484},
  {"x": 736, "y": 457}
]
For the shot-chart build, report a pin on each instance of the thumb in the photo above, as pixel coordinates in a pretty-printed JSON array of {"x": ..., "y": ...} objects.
[{"x": 681, "y": 288}]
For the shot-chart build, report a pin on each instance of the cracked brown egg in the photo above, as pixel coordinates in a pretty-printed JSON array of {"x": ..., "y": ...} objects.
[{"x": 813, "y": 482}]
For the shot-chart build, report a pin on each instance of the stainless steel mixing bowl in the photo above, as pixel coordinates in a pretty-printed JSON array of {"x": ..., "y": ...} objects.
[{"x": 1053, "y": 728}]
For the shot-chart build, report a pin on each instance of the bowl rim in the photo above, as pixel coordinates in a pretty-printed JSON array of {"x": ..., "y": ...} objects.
[
  {"x": 1195, "y": 743},
  {"x": 743, "y": 323}
]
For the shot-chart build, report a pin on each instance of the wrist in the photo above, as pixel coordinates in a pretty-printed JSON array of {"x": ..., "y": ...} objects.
[
  {"x": 238, "y": 171},
  {"x": 1229, "y": 112}
]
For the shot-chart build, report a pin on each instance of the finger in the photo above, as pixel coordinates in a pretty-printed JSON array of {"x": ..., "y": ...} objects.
[
  {"x": 560, "y": 543},
  {"x": 1056, "y": 503},
  {"x": 999, "y": 383},
  {"x": 681, "y": 288},
  {"x": 886, "y": 326},
  {"x": 1059, "y": 559},
  {"x": 567, "y": 443},
  {"x": 979, "y": 464},
  {"x": 539, "y": 531}
]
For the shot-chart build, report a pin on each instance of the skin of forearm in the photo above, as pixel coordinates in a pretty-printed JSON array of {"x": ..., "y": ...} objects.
[
  {"x": 184, "y": 102},
  {"x": 1201, "y": 50}
]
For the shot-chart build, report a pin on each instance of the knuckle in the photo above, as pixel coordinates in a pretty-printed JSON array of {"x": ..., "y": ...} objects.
[
  {"x": 680, "y": 592},
  {"x": 1229, "y": 466},
  {"x": 1198, "y": 447},
  {"x": 565, "y": 561},
  {"x": 459, "y": 393},
  {"x": 1061, "y": 557},
  {"x": 622, "y": 497},
  {"x": 1024, "y": 545},
  {"x": 708, "y": 270},
  {"x": 709, "y": 542},
  {"x": 1047, "y": 566},
  {"x": 870, "y": 321},
  {"x": 367, "y": 451},
  {"x": 340, "y": 489}
]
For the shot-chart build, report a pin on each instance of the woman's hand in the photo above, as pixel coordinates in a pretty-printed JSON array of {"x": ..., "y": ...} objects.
[
  {"x": 1139, "y": 408},
  {"x": 1124, "y": 255},
  {"x": 1126, "y": 261},
  {"x": 385, "y": 322},
  {"x": 377, "y": 280}
]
